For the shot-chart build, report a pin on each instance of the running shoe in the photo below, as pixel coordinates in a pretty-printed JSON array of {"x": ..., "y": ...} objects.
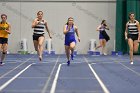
[
  {"x": 72, "y": 56},
  {"x": 131, "y": 63},
  {"x": 40, "y": 58},
  {"x": 68, "y": 63},
  {"x": 1, "y": 63}
]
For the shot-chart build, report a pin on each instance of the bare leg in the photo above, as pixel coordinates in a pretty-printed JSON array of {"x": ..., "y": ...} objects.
[
  {"x": 101, "y": 45},
  {"x": 67, "y": 50},
  {"x": 36, "y": 45},
  {"x": 40, "y": 47},
  {"x": 72, "y": 46},
  {"x": 130, "y": 43},
  {"x": 103, "y": 48},
  {"x": 1, "y": 53},
  {"x": 136, "y": 46},
  {"x": 4, "y": 52}
]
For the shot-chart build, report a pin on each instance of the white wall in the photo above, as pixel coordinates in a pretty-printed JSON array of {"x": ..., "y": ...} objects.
[{"x": 87, "y": 15}]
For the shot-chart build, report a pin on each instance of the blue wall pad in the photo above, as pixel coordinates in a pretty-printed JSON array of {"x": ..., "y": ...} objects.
[
  {"x": 93, "y": 52},
  {"x": 114, "y": 53},
  {"x": 120, "y": 53},
  {"x": 52, "y": 52},
  {"x": 96, "y": 53},
  {"x": 45, "y": 52},
  {"x": 90, "y": 52}
]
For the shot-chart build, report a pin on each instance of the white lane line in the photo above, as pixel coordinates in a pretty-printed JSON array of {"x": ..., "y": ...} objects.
[
  {"x": 22, "y": 91},
  {"x": 108, "y": 62},
  {"x": 28, "y": 77},
  {"x": 55, "y": 79},
  {"x": 79, "y": 91},
  {"x": 11, "y": 62},
  {"x": 137, "y": 73},
  {"x": 130, "y": 69},
  {"x": 99, "y": 80},
  {"x": 74, "y": 78},
  {"x": 72, "y": 63},
  {"x": 43, "y": 63},
  {"x": 15, "y": 68},
  {"x": 93, "y": 63},
  {"x": 97, "y": 77},
  {"x": 12, "y": 79},
  {"x": 49, "y": 78}
]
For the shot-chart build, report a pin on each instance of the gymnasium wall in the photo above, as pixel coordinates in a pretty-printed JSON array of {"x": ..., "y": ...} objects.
[{"x": 87, "y": 16}]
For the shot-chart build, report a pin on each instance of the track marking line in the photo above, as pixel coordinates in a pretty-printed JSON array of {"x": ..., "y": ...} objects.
[
  {"x": 138, "y": 74},
  {"x": 130, "y": 69},
  {"x": 97, "y": 77},
  {"x": 72, "y": 78},
  {"x": 42, "y": 63},
  {"x": 99, "y": 80},
  {"x": 49, "y": 78},
  {"x": 55, "y": 79},
  {"x": 72, "y": 63},
  {"x": 108, "y": 62},
  {"x": 29, "y": 77},
  {"x": 13, "y": 78},
  {"x": 93, "y": 63},
  {"x": 15, "y": 68}
]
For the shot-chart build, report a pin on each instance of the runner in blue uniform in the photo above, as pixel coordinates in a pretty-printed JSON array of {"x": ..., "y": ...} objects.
[{"x": 70, "y": 41}]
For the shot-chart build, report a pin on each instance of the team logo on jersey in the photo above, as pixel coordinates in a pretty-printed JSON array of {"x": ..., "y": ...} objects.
[{"x": 3, "y": 28}]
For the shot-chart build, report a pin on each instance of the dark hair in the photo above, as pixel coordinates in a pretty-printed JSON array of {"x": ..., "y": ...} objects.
[
  {"x": 130, "y": 14},
  {"x": 4, "y": 15},
  {"x": 39, "y": 12},
  {"x": 103, "y": 21},
  {"x": 68, "y": 20}
]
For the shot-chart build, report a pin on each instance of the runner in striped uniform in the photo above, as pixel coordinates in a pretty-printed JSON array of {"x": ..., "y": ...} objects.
[
  {"x": 132, "y": 33},
  {"x": 39, "y": 25}
]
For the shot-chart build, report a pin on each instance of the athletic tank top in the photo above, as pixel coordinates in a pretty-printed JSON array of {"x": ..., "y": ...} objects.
[
  {"x": 102, "y": 28},
  {"x": 132, "y": 28},
  {"x": 39, "y": 28},
  {"x": 3, "y": 27},
  {"x": 71, "y": 33}
]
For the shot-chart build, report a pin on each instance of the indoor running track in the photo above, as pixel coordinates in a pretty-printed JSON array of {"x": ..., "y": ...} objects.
[{"x": 86, "y": 74}]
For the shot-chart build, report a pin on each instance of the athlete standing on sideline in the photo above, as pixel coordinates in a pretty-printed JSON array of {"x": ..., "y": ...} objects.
[
  {"x": 70, "y": 42},
  {"x": 39, "y": 25},
  {"x": 5, "y": 29},
  {"x": 132, "y": 34}
]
